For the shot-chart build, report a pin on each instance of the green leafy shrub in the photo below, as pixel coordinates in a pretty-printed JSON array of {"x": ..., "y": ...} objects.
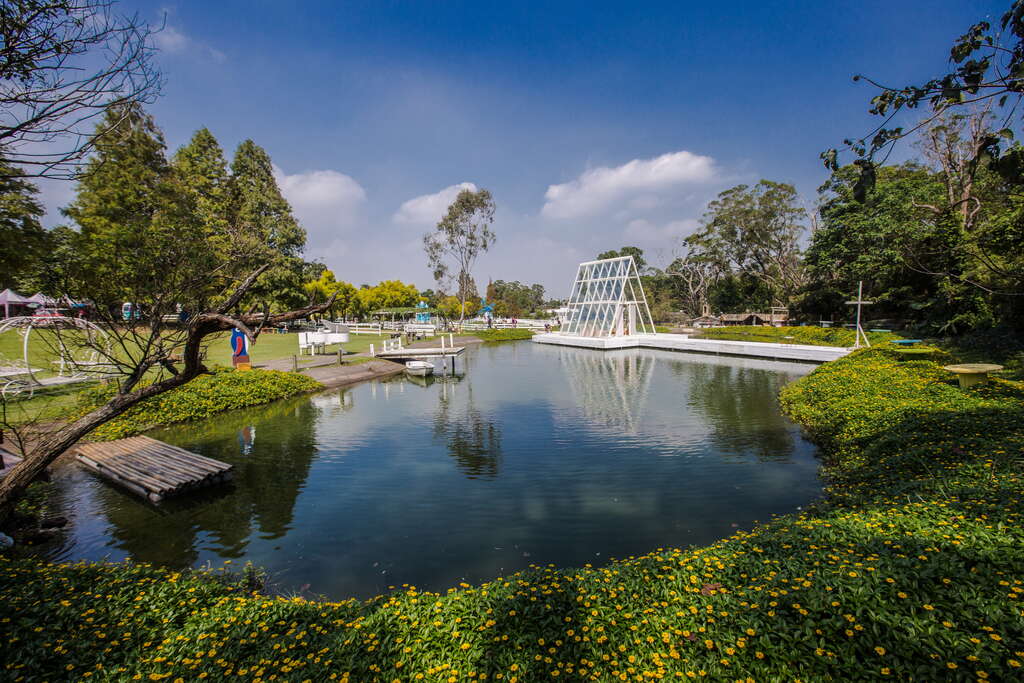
[
  {"x": 202, "y": 397},
  {"x": 511, "y": 334},
  {"x": 814, "y": 336}
]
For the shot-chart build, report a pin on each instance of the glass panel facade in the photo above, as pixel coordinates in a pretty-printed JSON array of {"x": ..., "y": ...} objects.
[{"x": 607, "y": 300}]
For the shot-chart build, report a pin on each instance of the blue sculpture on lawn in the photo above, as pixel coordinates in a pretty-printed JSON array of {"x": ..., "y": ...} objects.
[{"x": 423, "y": 316}]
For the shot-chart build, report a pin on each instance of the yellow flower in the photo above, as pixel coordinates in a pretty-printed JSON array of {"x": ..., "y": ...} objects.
[{"x": 880, "y": 650}]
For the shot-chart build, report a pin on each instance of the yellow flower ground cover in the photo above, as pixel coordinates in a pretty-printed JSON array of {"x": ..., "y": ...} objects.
[{"x": 912, "y": 567}]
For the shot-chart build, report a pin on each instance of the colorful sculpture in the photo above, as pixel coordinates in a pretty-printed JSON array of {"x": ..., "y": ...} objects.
[{"x": 240, "y": 350}]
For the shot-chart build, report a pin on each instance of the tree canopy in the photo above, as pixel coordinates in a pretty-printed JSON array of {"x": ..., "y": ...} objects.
[
  {"x": 458, "y": 240},
  {"x": 64, "y": 65}
]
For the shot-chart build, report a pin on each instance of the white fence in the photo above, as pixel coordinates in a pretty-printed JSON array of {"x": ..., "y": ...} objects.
[
  {"x": 435, "y": 326},
  {"x": 507, "y": 324}
]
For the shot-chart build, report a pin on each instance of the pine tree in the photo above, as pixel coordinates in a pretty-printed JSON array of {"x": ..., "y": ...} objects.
[
  {"x": 139, "y": 232},
  {"x": 263, "y": 222},
  {"x": 22, "y": 237},
  {"x": 203, "y": 172}
]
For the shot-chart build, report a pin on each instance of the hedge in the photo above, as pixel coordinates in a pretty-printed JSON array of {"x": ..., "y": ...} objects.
[
  {"x": 814, "y": 336},
  {"x": 199, "y": 399},
  {"x": 509, "y": 334},
  {"x": 911, "y": 567}
]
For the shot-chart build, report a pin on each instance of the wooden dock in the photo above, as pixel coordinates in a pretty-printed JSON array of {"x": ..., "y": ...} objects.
[
  {"x": 421, "y": 353},
  {"x": 151, "y": 468}
]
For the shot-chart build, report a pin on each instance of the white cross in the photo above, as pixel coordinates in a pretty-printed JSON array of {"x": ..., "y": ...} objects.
[{"x": 860, "y": 302}]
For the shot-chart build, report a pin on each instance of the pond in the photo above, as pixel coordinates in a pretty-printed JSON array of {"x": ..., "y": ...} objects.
[{"x": 534, "y": 455}]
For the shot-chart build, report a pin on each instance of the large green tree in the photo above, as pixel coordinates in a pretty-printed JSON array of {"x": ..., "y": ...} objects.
[
  {"x": 263, "y": 227},
  {"x": 460, "y": 237},
  {"x": 753, "y": 233},
  {"x": 636, "y": 252},
  {"x": 22, "y": 237},
  {"x": 139, "y": 229},
  {"x": 141, "y": 240},
  {"x": 883, "y": 242},
  {"x": 203, "y": 172}
]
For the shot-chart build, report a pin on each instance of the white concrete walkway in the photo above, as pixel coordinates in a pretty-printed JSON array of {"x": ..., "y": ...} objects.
[{"x": 682, "y": 342}]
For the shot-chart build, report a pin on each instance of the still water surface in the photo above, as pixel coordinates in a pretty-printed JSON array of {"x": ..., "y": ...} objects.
[{"x": 536, "y": 455}]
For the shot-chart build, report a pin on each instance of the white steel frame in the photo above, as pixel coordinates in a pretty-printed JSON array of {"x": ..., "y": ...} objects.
[{"x": 608, "y": 300}]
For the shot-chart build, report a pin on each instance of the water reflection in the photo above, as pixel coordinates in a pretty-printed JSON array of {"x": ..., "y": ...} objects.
[
  {"x": 611, "y": 387},
  {"x": 471, "y": 439},
  {"x": 740, "y": 403},
  {"x": 535, "y": 454},
  {"x": 259, "y": 501}
]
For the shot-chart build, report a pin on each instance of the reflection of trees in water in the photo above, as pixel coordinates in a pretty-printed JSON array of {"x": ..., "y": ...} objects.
[
  {"x": 267, "y": 484},
  {"x": 472, "y": 439},
  {"x": 611, "y": 387},
  {"x": 741, "y": 406}
]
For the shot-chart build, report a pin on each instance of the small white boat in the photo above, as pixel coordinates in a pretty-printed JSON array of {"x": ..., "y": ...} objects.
[{"x": 419, "y": 368}]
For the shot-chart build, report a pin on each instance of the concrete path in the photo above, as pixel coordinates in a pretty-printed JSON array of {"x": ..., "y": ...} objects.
[{"x": 332, "y": 376}]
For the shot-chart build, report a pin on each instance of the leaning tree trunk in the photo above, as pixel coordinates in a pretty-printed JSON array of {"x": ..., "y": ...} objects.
[{"x": 51, "y": 446}]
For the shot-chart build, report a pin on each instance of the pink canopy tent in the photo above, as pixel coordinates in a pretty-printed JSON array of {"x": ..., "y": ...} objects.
[
  {"x": 42, "y": 300},
  {"x": 9, "y": 298}
]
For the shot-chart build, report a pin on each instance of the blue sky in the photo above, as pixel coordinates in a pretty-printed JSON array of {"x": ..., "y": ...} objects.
[{"x": 594, "y": 124}]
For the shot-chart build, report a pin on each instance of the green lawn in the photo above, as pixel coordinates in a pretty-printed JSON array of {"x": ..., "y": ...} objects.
[
  {"x": 271, "y": 346},
  {"x": 56, "y": 404}
]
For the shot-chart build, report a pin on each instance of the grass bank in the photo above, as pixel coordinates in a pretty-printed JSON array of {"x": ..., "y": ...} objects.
[
  {"x": 495, "y": 335},
  {"x": 815, "y": 336},
  {"x": 912, "y": 567},
  {"x": 199, "y": 399}
]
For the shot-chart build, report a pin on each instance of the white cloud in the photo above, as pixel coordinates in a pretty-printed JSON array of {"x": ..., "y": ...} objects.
[
  {"x": 428, "y": 209},
  {"x": 172, "y": 40},
  {"x": 326, "y": 202},
  {"x": 638, "y": 180},
  {"x": 642, "y": 230}
]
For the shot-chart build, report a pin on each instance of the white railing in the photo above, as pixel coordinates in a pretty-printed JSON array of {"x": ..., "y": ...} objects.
[
  {"x": 507, "y": 324},
  {"x": 365, "y": 328}
]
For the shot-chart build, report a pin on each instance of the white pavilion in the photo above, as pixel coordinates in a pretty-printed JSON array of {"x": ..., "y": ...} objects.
[
  {"x": 607, "y": 300},
  {"x": 608, "y": 310}
]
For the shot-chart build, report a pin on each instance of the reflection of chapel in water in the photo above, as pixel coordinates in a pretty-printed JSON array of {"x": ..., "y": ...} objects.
[{"x": 610, "y": 387}]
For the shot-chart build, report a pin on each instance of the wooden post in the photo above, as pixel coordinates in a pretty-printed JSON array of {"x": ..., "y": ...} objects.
[{"x": 295, "y": 364}]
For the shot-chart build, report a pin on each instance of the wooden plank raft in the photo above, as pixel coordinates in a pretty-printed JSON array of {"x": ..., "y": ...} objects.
[{"x": 152, "y": 468}]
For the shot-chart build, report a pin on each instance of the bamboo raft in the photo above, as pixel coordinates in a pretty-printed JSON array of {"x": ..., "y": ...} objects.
[{"x": 152, "y": 468}]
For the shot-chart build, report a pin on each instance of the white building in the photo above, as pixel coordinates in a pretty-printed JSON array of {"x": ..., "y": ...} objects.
[{"x": 607, "y": 300}]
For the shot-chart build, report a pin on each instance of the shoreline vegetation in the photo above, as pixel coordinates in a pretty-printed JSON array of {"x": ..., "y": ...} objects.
[
  {"x": 814, "y": 336},
  {"x": 496, "y": 335},
  {"x": 911, "y": 566},
  {"x": 221, "y": 390}
]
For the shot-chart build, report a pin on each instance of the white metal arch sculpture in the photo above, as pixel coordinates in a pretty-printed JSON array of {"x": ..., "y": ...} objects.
[
  {"x": 608, "y": 300},
  {"x": 21, "y": 378}
]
